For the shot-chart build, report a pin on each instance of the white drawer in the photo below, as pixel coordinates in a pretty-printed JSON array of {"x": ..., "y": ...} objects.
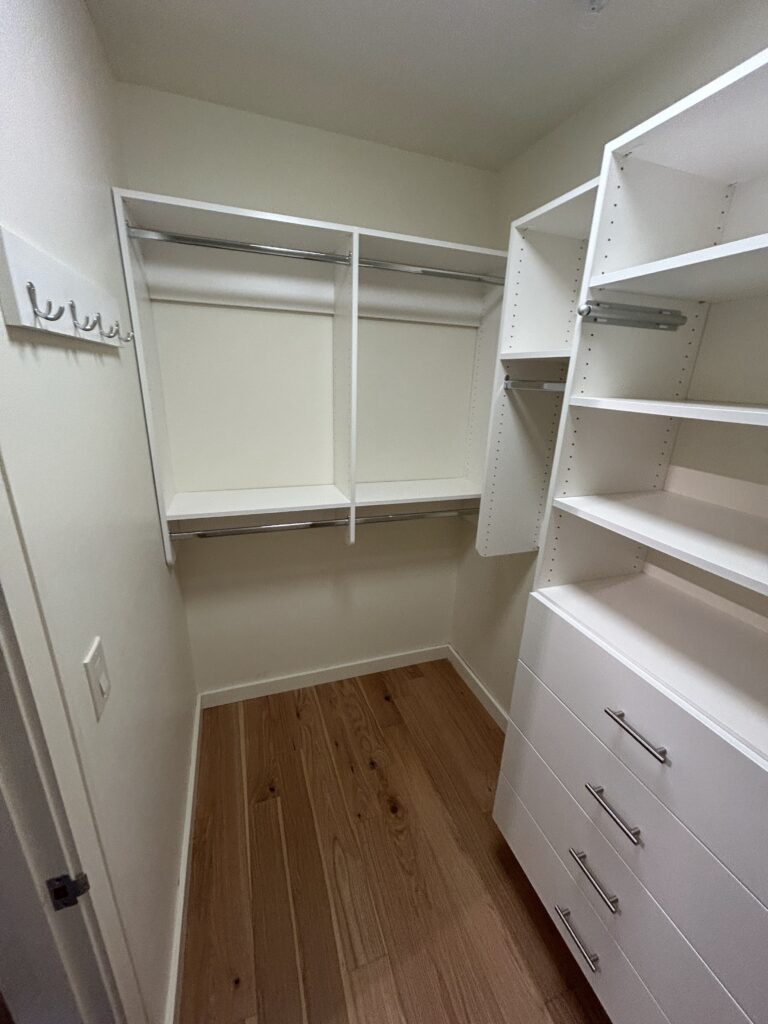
[
  {"x": 617, "y": 984},
  {"x": 720, "y": 793},
  {"x": 721, "y": 919},
  {"x": 632, "y": 917}
]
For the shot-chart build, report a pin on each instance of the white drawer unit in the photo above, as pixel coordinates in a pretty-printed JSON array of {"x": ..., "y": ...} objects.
[
  {"x": 689, "y": 765},
  {"x": 617, "y": 984},
  {"x": 721, "y": 919},
  {"x": 647, "y": 936}
]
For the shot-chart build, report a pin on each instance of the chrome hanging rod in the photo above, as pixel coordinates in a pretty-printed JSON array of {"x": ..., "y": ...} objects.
[
  {"x": 307, "y": 254},
  {"x": 533, "y": 385},
  {"x": 240, "y": 531},
  {"x": 619, "y": 314}
]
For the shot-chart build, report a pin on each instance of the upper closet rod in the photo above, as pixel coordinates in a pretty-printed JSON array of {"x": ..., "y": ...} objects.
[{"x": 307, "y": 254}]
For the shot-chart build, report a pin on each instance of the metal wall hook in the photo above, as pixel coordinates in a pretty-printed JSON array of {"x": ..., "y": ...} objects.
[
  {"x": 128, "y": 339},
  {"x": 43, "y": 314},
  {"x": 88, "y": 324},
  {"x": 111, "y": 332}
]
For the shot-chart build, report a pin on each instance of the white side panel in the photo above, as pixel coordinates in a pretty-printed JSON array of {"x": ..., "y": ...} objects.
[
  {"x": 482, "y": 386},
  {"x": 345, "y": 329}
]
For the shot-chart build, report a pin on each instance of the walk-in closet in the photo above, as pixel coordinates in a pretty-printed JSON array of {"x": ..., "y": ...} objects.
[{"x": 384, "y": 512}]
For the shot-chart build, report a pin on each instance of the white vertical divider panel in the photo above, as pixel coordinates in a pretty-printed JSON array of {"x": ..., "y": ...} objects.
[
  {"x": 136, "y": 287},
  {"x": 345, "y": 324}
]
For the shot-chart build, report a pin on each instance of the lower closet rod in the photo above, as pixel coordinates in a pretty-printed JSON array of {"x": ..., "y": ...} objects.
[{"x": 238, "y": 531}]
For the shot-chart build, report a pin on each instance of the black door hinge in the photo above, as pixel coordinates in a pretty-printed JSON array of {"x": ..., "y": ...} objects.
[{"x": 65, "y": 891}]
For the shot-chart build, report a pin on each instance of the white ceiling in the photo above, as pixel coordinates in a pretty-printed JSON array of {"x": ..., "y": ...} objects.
[{"x": 475, "y": 81}]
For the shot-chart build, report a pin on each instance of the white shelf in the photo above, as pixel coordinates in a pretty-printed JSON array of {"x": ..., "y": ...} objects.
[
  {"x": 544, "y": 353},
  {"x": 403, "y": 492},
  {"x": 714, "y": 274},
  {"x": 730, "y": 544},
  {"x": 716, "y": 412},
  {"x": 256, "y": 501},
  {"x": 569, "y": 216},
  {"x": 710, "y": 658}
]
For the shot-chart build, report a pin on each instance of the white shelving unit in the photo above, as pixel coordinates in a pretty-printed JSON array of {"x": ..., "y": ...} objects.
[
  {"x": 291, "y": 366},
  {"x": 547, "y": 249},
  {"x": 649, "y": 621}
]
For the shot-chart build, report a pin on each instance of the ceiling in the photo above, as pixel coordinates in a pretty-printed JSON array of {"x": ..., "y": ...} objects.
[{"x": 475, "y": 81}]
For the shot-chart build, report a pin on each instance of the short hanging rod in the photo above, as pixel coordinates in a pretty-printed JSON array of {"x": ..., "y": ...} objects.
[
  {"x": 241, "y": 531},
  {"x": 307, "y": 254},
  {"x": 534, "y": 385}
]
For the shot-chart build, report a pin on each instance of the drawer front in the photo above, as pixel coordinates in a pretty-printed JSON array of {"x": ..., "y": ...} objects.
[
  {"x": 724, "y": 922},
  {"x": 619, "y": 988},
  {"x": 703, "y": 770},
  {"x": 648, "y": 938}
]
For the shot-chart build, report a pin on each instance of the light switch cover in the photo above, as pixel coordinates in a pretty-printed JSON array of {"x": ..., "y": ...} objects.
[{"x": 98, "y": 678}]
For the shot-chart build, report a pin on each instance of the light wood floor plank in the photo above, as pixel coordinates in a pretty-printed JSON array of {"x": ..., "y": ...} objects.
[{"x": 217, "y": 974}]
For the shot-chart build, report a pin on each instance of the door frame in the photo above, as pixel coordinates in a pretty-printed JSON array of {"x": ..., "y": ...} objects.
[{"x": 42, "y": 706}]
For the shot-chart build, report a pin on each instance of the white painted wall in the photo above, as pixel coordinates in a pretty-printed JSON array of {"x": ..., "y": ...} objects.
[
  {"x": 74, "y": 450},
  {"x": 186, "y": 147}
]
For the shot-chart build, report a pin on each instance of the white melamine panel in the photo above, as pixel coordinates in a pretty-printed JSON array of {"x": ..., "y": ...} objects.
[
  {"x": 728, "y": 543},
  {"x": 569, "y": 216},
  {"x": 542, "y": 357},
  {"x": 718, "y": 412},
  {"x": 651, "y": 212},
  {"x": 732, "y": 364},
  {"x": 345, "y": 380},
  {"x": 715, "y": 274},
  {"x": 520, "y": 449},
  {"x": 390, "y": 295},
  {"x": 484, "y": 373},
  {"x": 578, "y": 550},
  {"x": 721, "y": 919},
  {"x": 621, "y": 991},
  {"x": 543, "y": 281},
  {"x": 647, "y": 936},
  {"x": 397, "y": 492},
  {"x": 415, "y": 391},
  {"x": 248, "y": 396},
  {"x": 256, "y": 501},
  {"x": 411, "y": 250}
]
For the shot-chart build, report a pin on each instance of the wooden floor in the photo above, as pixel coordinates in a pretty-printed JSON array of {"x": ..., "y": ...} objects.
[{"x": 345, "y": 868}]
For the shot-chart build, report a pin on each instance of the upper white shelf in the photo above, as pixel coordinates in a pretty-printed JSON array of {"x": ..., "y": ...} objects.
[
  {"x": 255, "y": 501},
  {"x": 716, "y": 412},
  {"x": 569, "y": 216},
  {"x": 714, "y": 274},
  {"x": 717, "y": 539},
  {"x": 544, "y": 353},
  {"x": 712, "y": 659},
  {"x": 403, "y": 492}
]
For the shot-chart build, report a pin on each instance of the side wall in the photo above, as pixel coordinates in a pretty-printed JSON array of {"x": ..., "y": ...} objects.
[
  {"x": 75, "y": 455},
  {"x": 265, "y": 607}
]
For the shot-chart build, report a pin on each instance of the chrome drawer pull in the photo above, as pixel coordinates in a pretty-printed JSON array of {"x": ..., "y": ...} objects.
[
  {"x": 660, "y": 753},
  {"x": 612, "y": 902},
  {"x": 592, "y": 958},
  {"x": 630, "y": 831}
]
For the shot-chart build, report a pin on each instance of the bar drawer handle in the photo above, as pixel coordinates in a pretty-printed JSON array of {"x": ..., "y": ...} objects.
[
  {"x": 612, "y": 902},
  {"x": 630, "y": 831},
  {"x": 660, "y": 753},
  {"x": 592, "y": 958}
]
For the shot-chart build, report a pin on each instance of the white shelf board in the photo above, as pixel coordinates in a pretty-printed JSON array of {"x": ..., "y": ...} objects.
[
  {"x": 544, "y": 353},
  {"x": 254, "y": 501},
  {"x": 714, "y": 274},
  {"x": 716, "y": 412},
  {"x": 712, "y": 659},
  {"x": 397, "y": 492},
  {"x": 569, "y": 216},
  {"x": 717, "y": 539}
]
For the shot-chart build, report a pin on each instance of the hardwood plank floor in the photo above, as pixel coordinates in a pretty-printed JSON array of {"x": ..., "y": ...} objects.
[{"x": 345, "y": 868}]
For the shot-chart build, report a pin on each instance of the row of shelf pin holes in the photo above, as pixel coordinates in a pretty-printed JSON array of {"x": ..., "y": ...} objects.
[{"x": 85, "y": 326}]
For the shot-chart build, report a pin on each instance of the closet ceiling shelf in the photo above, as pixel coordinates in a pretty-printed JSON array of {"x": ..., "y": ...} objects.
[
  {"x": 715, "y": 274},
  {"x": 403, "y": 492},
  {"x": 719, "y": 540},
  {"x": 254, "y": 501},
  {"x": 176, "y": 238},
  {"x": 715, "y": 412},
  {"x": 554, "y": 353}
]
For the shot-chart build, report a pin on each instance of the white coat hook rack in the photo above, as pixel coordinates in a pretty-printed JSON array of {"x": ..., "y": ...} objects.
[{"x": 617, "y": 314}]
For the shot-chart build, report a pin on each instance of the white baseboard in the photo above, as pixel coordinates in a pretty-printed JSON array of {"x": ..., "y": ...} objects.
[
  {"x": 174, "y": 982},
  {"x": 480, "y": 690}
]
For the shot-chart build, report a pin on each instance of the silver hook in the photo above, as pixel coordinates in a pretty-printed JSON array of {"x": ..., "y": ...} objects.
[
  {"x": 128, "y": 339},
  {"x": 43, "y": 314},
  {"x": 88, "y": 324},
  {"x": 111, "y": 332}
]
